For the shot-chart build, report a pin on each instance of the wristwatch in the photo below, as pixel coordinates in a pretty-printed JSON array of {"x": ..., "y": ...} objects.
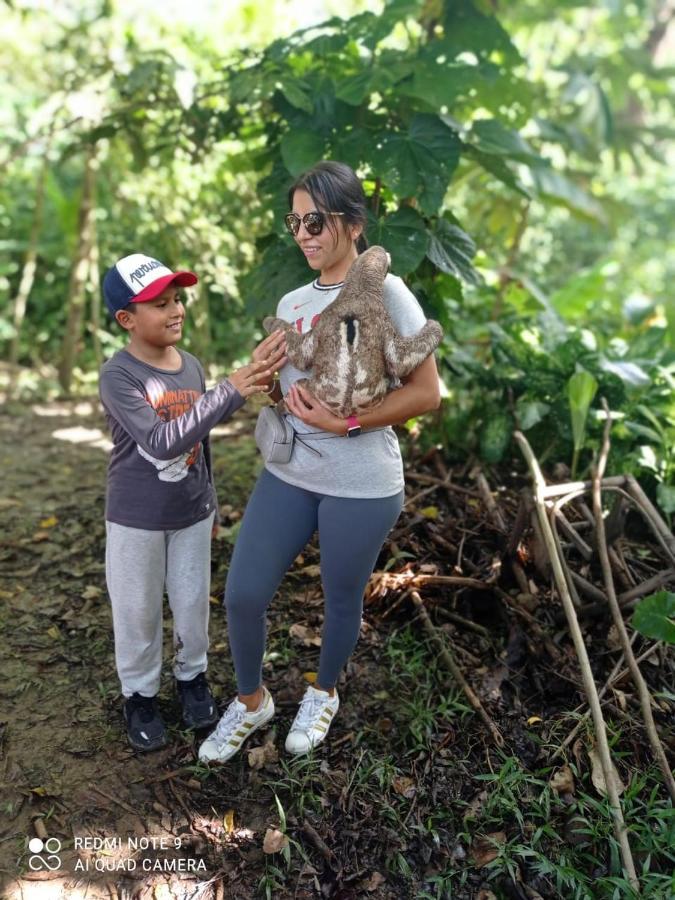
[{"x": 353, "y": 427}]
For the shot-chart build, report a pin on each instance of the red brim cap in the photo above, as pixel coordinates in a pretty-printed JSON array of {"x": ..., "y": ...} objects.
[{"x": 182, "y": 279}]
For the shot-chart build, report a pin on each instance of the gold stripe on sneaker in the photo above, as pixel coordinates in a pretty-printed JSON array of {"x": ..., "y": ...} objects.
[
  {"x": 320, "y": 728},
  {"x": 324, "y": 719},
  {"x": 240, "y": 734},
  {"x": 234, "y": 743},
  {"x": 247, "y": 724}
]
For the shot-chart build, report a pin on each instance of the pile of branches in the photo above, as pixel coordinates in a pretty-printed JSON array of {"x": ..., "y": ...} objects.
[{"x": 568, "y": 542}]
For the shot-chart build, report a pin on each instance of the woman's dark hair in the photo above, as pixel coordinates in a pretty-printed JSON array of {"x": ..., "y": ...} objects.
[{"x": 335, "y": 187}]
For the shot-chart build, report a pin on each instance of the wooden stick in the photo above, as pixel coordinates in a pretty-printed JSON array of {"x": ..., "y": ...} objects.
[
  {"x": 584, "y": 663},
  {"x": 579, "y": 487},
  {"x": 460, "y": 620},
  {"x": 457, "y": 674},
  {"x": 652, "y": 584},
  {"x": 651, "y": 513},
  {"x": 607, "y": 685},
  {"x": 640, "y": 684},
  {"x": 489, "y": 501}
]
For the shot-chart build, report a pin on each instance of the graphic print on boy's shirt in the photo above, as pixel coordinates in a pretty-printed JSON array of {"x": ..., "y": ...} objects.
[{"x": 169, "y": 405}]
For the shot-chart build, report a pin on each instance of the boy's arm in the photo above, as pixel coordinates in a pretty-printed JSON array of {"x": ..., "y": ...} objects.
[{"x": 125, "y": 400}]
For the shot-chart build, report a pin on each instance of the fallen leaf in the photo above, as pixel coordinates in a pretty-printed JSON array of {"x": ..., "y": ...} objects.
[
  {"x": 310, "y": 677},
  {"x": 313, "y": 571},
  {"x": 305, "y": 635},
  {"x": 275, "y": 841},
  {"x": 484, "y": 894},
  {"x": 404, "y": 786},
  {"x": 534, "y": 720},
  {"x": 485, "y": 847},
  {"x": 430, "y": 512},
  {"x": 91, "y": 592},
  {"x": 54, "y": 632},
  {"x": 376, "y": 879},
  {"x": 562, "y": 781},
  {"x": 228, "y": 821},
  {"x": 40, "y": 536},
  {"x": 476, "y": 805},
  {"x": 598, "y": 775},
  {"x": 49, "y": 522},
  {"x": 261, "y": 756}
]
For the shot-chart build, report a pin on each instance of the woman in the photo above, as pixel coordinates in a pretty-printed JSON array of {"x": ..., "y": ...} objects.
[{"x": 351, "y": 492}]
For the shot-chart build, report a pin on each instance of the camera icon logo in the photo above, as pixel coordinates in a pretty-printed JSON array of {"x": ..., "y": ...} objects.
[{"x": 45, "y": 854}]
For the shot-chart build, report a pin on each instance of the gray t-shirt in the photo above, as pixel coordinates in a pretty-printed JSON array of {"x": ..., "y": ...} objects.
[
  {"x": 159, "y": 474},
  {"x": 364, "y": 467}
]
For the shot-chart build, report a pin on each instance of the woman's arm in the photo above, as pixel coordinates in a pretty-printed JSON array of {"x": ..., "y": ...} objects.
[{"x": 420, "y": 393}]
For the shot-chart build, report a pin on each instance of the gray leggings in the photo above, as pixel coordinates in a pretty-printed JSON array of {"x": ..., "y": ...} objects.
[{"x": 279, "y": 521}]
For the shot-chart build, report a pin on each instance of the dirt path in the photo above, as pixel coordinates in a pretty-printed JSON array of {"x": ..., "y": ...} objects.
[
  {"x": 407, "y": 799},
  {"x": 64, "y": 756},
  {"x": 115, "y": 823}
]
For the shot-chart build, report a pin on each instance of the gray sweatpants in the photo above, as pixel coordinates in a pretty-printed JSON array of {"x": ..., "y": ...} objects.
[{"x": 140, "y": 565}]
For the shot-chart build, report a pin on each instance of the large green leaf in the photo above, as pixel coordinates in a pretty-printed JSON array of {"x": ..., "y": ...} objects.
[
  {"x": 470, "y": 30},
  {"x": 498, "y": 167},
  {"x": 301, "y": 149},
  {"x": 581, "y": 389},
  {"x": 404, "y": 236},
  {"x": 654, "y": 617},
  {"x": 492, "y": 136},
  {"x": 439, "y": 83},
  {"x": 354, "y": 88},
  {"x": 554, "y": 186},
  {"x": 279, "y": 269},
  {"x": 298, "y": 94},
  {"x": 451, "y": 250},
  {"x": 420, "y": 162}
]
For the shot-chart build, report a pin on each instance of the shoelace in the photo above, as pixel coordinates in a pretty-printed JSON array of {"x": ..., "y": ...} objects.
[
  {"x": 230, "y": 720},
  {"x": 310, "y": 707}
]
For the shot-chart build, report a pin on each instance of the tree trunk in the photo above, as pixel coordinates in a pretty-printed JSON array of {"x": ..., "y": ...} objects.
[
  {"x": 79, "y": 274},
  {"x": 198, "y": 310},
  {"x": 95, "y": 294},
  {"x": 29, "y": 265}
]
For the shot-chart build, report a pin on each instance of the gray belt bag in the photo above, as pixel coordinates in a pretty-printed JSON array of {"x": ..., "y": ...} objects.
[{"x": 274, "y": 436}]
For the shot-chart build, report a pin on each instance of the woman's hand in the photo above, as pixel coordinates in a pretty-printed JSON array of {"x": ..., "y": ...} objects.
[
  {"x": 303, "y": 404},
  {"x": 267, "y": 357},
  {"x": 273, "y": 347}
]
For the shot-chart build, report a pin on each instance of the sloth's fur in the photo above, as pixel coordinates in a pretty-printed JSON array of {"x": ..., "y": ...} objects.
[{"x": 354, "y": 350}]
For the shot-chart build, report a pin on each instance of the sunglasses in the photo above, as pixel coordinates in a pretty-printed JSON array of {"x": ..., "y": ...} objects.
[{"x": 313, "y": 222}]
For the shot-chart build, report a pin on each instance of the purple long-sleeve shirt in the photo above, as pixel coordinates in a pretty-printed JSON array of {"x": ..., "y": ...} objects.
[{"x": 159, "y": 475}]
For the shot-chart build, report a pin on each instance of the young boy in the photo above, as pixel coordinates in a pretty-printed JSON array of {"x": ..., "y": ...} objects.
[{"x": 161, "y": 502}]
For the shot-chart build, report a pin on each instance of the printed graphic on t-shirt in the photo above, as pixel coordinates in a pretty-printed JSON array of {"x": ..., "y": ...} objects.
[
  {"x": 299, "y": 323},
  {"x": 169, "y": 405}
]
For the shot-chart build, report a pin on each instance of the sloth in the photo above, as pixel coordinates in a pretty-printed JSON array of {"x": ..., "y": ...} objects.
[{"x": 354, "y": 350}]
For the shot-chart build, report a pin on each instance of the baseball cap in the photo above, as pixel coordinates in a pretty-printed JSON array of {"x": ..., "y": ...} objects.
[{"x": 136, "y": 278}]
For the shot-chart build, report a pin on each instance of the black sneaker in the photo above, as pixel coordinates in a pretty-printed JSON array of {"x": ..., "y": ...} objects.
[
  {"x": 145, "y": 728},
  {"x": 199, "y": 707}
]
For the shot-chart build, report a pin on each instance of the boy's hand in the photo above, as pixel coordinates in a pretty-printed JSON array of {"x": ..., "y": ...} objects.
[{"x": 253, "y": 378}]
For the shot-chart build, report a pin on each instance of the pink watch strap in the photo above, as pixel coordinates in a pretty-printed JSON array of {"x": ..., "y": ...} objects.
[{"x": 353, "y": 422}]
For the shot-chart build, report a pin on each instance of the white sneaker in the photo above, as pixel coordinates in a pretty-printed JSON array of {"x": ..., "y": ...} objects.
[
  {"x": 313, "y": 720},
  {"x": 236, "y": 724}
]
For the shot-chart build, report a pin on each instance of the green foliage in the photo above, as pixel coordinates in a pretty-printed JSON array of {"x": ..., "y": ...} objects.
[
  {"x": 654, "y": 617},
  {"x": 581, "y": 388},
  {"x": 519, "y": 186}
]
